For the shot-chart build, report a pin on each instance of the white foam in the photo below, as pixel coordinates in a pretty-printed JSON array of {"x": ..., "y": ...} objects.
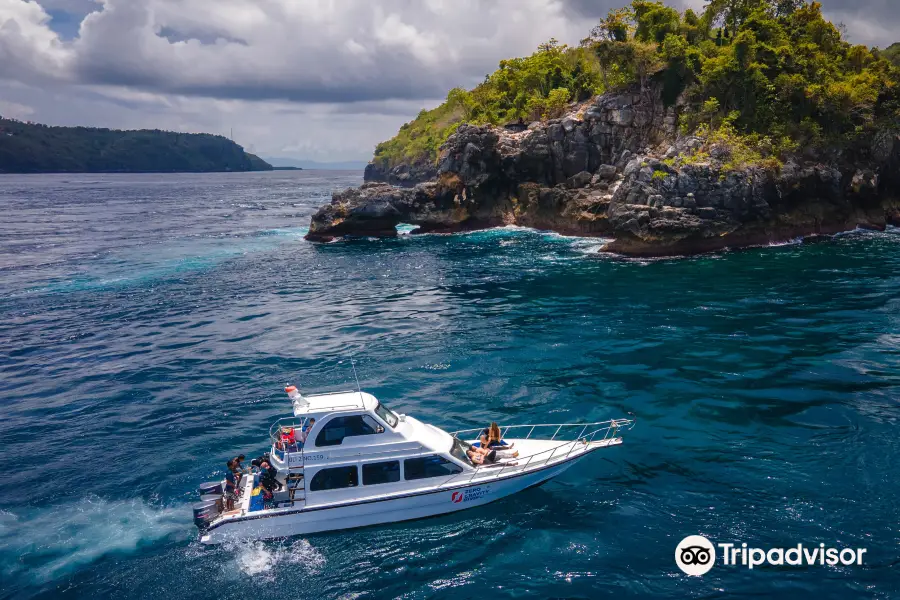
[
  {"x": 261, "y": 559},
  {"x": 589, "y": 248},
  {"x": 791, "y": 242},
  {"x": 578, "y": 239}
]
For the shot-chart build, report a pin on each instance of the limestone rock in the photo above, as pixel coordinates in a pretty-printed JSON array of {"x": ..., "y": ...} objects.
[
  {"x": 541, "y": 176},
  {"x": 607, "y": 172},
  {"x": 579, "y": 180},
  {"x": 864, "y": 183}
]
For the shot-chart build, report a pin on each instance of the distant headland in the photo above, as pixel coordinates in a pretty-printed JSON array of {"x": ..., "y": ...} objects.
[
  {"x": 670, "y": 132},
  {"x": 35, "y": 148}
]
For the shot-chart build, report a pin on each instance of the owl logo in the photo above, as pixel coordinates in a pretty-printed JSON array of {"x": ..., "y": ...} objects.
[{"x": 695, "y": 555}]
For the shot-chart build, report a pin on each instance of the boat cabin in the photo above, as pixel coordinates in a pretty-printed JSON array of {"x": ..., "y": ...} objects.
[{"x": 342, "y": 441}]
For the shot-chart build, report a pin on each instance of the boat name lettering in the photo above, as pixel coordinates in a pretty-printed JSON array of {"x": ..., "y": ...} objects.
[
  {"x": 469, "y": 494},
  {"x": 314, "y": 457}
]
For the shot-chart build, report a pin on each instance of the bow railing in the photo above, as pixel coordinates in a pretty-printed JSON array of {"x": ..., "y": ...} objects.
[{"x": 588, "y": 433}]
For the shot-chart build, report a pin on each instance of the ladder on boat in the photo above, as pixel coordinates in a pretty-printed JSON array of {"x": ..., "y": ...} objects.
[{"x": 296, "y": 486}]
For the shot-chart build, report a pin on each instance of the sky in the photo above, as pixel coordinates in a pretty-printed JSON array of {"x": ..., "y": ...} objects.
[{"x": 320, "y": 80}]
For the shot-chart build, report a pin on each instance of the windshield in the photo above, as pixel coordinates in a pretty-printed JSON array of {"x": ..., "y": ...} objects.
[
  {"x": 458, "y": 451},
  {"x": 386, "y": 415}
]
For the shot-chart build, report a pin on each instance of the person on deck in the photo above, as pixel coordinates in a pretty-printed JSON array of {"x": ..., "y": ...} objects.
[
  {"x": 486, "y": 456},
  {"x": 304, "y": 431},
  {"x": 231, "y": 489},
  {"x": 490, "y": 443},
  {"x": 491, "y": 438},
  {"x": 268, "y": 477},
  {"x": 288, "y": 439}
]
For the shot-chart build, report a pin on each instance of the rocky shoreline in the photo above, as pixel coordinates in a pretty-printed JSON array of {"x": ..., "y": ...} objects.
[{"x": 614, "y": 167}]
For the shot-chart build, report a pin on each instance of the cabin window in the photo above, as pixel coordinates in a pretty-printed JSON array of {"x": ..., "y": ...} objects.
[
  {"x": 334, "y": 479},
  {"x": 381, "y": 472},
  {"x": 429, "y": 466},
  {"x": 387, "y": 415},
  {"x": 338, "y": 428}
]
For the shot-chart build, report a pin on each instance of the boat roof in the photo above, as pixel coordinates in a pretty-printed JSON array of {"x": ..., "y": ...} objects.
[{"x": 334, "y": 402}]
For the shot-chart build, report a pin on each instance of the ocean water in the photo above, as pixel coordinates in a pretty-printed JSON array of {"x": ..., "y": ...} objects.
[{"x": 148, "y": 325}]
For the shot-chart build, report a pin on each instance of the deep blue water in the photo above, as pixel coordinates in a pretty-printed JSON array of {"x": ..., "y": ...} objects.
[{"x": 149, "y": 323}]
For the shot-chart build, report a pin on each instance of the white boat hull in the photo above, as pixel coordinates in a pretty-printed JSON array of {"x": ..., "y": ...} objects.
[{"x": 415, "y": 505}]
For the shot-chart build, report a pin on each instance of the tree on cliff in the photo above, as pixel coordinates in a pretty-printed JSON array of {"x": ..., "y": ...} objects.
[
  {"x": 530, "y": 88},
  {"x": 892, "y": 53},
  {"x": 775, "y": 70}
]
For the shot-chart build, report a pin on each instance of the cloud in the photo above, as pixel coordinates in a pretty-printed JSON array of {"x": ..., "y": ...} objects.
[
  {"x": 315, "y": 51},
  {"x": 319, "y": 78},
  {"x": 870, "y": 22}
]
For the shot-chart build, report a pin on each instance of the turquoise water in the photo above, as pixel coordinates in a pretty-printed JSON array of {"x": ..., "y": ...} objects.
[{"x": 149, "y": 323}]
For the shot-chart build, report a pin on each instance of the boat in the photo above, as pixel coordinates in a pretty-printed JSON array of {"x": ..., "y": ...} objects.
[{"x": 362, "y": 464}]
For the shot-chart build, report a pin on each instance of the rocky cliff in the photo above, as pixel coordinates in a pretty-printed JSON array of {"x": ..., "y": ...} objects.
[
  {"x": 617, "y": 167},
  {"x": 405, "y": 175}
]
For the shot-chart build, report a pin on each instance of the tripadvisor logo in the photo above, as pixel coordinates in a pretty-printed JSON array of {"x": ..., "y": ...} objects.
[{"x": 696, "y": 555}]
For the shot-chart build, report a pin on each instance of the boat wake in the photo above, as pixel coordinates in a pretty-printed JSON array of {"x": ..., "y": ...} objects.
[
  {"x": 263, "y": 559},
  {"x": 44, "y": 544}
]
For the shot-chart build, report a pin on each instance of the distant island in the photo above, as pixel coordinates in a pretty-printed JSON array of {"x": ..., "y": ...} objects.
[
  {"x": 345, "y": 165},
  {"x": 36, "y": 148}
]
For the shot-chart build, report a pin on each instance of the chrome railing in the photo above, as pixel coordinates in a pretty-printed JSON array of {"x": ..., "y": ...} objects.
[
  {"x": 282, "y": 453},
  {"x": 505, "y": 429},
  {"x": 285, "y": 422},
  {"x": 587, "y": 434}
]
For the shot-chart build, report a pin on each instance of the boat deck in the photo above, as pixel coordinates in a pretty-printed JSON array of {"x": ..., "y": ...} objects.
[{"x": 534, "y": 455}]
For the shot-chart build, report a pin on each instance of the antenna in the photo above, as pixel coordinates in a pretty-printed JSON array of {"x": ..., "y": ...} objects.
[{"x": 355, "y": 376}]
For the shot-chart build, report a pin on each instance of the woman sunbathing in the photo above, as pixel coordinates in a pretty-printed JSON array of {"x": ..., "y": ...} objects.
[
  {"x": 485, "y": 456},
  {"x": 490, "y": 440},
  {"x": 494, "y": 440}
]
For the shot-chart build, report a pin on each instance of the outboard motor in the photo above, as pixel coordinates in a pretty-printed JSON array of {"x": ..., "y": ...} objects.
[
  {"x": 211, "y": 487},
  {"x": 204, "y": 512},
  {"x": 217, "y": 498}
]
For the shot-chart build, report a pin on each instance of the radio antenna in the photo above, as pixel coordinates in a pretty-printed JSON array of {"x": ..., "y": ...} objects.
[{"x": 355, "y": 376}]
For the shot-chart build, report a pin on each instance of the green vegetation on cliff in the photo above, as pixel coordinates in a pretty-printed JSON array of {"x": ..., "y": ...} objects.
[
  {"x": 526, "y": 89},
  {"x": 892, "y": 53},
  {"x": 34, "y": 148},
  {"x": 772, "y": 76}
]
